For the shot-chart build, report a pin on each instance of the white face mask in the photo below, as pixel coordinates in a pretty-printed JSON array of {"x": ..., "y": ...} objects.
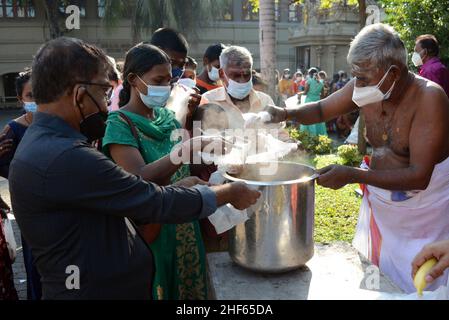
[
  {"x": 416, "y": 59},
  {"x": 213, "y": 74},
  {"x": 189, "y": 83},
  {"x": 363, "y": 96},
  {"x": 239, "y": 90}
]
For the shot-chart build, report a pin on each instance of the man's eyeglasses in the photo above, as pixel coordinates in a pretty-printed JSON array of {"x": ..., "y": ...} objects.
[{"x": 108, "y": 89}]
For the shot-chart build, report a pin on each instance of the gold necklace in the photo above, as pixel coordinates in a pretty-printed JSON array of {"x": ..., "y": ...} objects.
[{"x": 383, "y": 114}]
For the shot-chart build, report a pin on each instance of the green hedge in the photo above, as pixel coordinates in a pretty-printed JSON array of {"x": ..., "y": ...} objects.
[{"x": 336, "y": 212}]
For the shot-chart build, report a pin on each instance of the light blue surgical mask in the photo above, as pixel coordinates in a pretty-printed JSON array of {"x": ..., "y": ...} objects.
[
  {"x": 156, "y": 97},
  {"x": 30, "y": 106},
  {"x": 189, "y": 83},
  {"x": 239, "y": 90},
  {"x": 213, "y": 74}
]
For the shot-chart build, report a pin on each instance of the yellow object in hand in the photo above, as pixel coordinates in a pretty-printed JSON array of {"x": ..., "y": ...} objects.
[{"x": 420, "y": 278}]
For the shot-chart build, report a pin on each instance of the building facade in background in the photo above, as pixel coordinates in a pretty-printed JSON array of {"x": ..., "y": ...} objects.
[
  {"x": 322, "y": 38},
  {"x": 303, "y": 40}
]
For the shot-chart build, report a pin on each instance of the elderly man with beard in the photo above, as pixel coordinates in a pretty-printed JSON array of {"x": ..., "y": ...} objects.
[{"x": 406, "y": 203}]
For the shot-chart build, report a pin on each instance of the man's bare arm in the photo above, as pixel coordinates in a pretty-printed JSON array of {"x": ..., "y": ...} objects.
[
  {"x": 337, "y": 104},
  {"x": 429, "y": 136}
]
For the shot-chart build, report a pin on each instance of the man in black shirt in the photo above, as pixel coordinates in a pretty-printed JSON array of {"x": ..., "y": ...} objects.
[{"x": 76, "y": 209}]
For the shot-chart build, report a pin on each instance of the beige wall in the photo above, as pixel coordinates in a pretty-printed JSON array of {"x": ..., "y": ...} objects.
[
  {"x": 19, "y": 41},
  {"x": 21, "y": 38},
  {"x": 245, "y": 34},
  {"x": 328, "y": 40},
  {"x": 329, "y": 37}
]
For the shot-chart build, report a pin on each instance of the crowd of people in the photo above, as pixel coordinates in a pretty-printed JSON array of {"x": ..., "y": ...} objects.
[
  {"x": 314, "y": 85},
  {"x": 127, "y": 217},
  {"x": 93, "y": 185}
]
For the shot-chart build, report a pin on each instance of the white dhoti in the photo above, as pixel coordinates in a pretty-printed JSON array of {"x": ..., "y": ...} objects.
[{"x": 393, "y": 226}]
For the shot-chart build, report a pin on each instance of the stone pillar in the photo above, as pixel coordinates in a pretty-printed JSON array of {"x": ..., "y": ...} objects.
[
  {"x": 307, "y": 58},
  {"x": 283, "y": 10},
  {"x": 333, "y": 56},
  {"x": 319, "y": 54},
  {"x": 237, "y": 6}
]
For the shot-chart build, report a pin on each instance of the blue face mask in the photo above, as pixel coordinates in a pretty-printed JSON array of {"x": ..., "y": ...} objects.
[
  {"x": 30, "y": 107},
  {"x": 156, "y": 96},
  {"x": 177, "y": 73}
]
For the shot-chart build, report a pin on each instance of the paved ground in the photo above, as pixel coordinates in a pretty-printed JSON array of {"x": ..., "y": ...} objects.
[{"x": 336, "y": 272}]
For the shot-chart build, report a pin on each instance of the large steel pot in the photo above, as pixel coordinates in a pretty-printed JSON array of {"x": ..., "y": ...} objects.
[{"x": 278, "y": 237}]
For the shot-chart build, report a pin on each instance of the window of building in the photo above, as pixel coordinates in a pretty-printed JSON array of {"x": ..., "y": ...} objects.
[
  {"x": 303, "y": 58},
  {"x": 9, "y": 87},
  {"x": 248, "y": 13},
  {"x": 295, "y": 12},
  {"x": 17, "y": 9},
  {"x": 65, "y": 3},
  {"x": 101, "y": 8},
  {"x": 277, "y": 13},
  {"x": 228, "y": 11}
]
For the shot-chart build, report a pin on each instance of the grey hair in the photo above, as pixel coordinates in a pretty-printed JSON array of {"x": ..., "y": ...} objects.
[
  {"x": 379, "y": 45},
  {"x": 235, "y": 54}
]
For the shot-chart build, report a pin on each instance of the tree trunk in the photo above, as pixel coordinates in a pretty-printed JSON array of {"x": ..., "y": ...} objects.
[
  {"x": 267, "y": 37},
  {"x": 52, "y": 12},
  {"x": 361, "y": 135},
  {"x": 362, "y": 13},
  {"x": 135, "y": 24}
]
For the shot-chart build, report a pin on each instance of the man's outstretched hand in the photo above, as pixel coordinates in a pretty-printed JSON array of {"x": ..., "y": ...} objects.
[
  {"x": 237, "y": 193},
  {"x": 335, "y": 176},
  {"x": 277, "y": 114}
]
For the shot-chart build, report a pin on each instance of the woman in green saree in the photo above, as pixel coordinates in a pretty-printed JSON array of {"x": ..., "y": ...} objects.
[
  {"x": 178, "y": 249},
  {"x": 313, "y": 91}
]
